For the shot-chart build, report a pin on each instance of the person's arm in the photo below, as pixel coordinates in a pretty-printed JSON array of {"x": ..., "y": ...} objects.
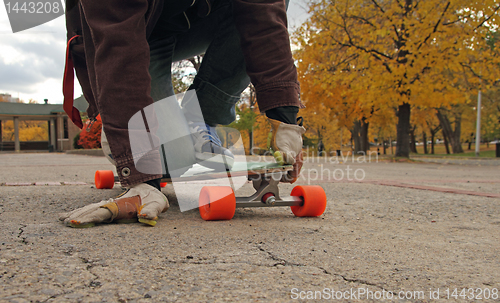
[
  {"x": 266, "y": 47},
  {"x": 262, "y": 25}
]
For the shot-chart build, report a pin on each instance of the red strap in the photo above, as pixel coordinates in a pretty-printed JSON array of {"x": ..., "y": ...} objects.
[{"x": 68, "y": 89}]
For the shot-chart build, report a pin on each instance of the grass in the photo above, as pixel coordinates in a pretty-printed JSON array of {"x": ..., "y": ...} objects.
[
  {"x": 482, "y": 154},
  {"x": 485, "y": 151},
  {"x": 440, "y": 150}
]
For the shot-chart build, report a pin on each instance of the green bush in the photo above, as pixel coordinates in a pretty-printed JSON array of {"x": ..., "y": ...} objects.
[{"x": 76, "y": 145}]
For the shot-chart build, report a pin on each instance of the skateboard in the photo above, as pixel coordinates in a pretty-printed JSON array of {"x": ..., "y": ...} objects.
[{"x": 220, "y": 202}]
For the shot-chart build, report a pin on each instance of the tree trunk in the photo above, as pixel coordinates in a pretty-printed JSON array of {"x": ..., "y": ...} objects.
[
  {"x": 403, "y": 131},
  {"x": 425, "y": 143},
  {"x": 360, "y": 136},
  {"x": 433, "y": 135},
  {"x": 355, "y": 136},
  {"x": 250, "y": 136},
  {"x": 413, "y": 144},
  {"x": 457, "y": 143},
  {"x": 319, "y": 139},
  {"x": 445, "y": 138},
  {"x": 196, "y": 61},
  {"x": 433, "y": 138},
  {"x": 453, "y": 136},
  {"x": 364, "y": 135},
  {"x": 471, "y": 139}
]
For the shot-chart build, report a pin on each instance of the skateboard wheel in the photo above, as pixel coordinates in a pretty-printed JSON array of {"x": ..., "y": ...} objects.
[
  {"x": 104, "y": 179},
  {"x": 314, "y": 201},
  {"x": 163, "y": 184},
  {"x": 217, "y": 203}
]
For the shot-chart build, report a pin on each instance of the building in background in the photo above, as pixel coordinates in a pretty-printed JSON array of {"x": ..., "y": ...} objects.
[
  {"x": 9, "y": 98},
  {"x": 61, "y": 130}
]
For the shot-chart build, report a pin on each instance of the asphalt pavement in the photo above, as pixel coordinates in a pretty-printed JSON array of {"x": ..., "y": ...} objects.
[{"x": 406, "y": 231}]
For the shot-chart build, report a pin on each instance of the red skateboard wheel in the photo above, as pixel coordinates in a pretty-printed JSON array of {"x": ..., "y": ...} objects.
[
  {"x": 314, "y": 201},
  {"x": 104, "y": 179},
  {"x": 217, "y": 203}
]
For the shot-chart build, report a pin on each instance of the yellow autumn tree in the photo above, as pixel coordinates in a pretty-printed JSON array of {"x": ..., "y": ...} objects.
[
  {"x": 395, "y": 54},
  {"x": 320, "y": 125},
  {"x": 382, "y": 126},
  {"x": 29, "y": 130},
  {"x": 260, "y": 134}
]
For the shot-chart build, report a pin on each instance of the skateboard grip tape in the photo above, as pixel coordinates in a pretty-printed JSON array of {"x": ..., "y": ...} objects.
[{"x": 124, "y": 208}]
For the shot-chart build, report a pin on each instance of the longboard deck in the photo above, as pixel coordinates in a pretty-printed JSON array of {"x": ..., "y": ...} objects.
[{"x": 198, "y": 172}]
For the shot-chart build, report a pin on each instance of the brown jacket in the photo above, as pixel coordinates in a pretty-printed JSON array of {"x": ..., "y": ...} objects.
[{"x": 109, "y": 49}]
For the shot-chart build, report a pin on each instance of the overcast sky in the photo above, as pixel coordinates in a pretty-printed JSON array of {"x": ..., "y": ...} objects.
[{"x": 32, "y": 61}]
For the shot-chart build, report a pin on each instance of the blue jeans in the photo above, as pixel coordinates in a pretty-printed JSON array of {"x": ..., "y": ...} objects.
[{"x": 222, "y": 75}]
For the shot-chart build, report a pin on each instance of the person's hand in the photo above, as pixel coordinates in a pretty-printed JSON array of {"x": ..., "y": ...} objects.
[
  {"x": 142, "y": 202},
  {"x": 88, "y": 215},
  {"x": 285, "y": 142},
  {"x": 293, "y": 174}
]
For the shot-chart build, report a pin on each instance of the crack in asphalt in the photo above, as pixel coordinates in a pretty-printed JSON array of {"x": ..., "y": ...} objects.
[
  {"x": 21, "y": 231},
  {"x": 280, "y": 260},
  {"x": 57, "y": 295},
  {"x": 90, "y": 264},
  {"x": 358, "y": 281},
  {"x": 288, "y": 263},
  {"x": 94, "y": 283},
  {"x": 273, "y": 257}
]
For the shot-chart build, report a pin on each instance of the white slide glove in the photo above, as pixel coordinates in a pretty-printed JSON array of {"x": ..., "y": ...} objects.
[
  {"x": 143, "y": 202},
  {"x": 285, "y": 142}
]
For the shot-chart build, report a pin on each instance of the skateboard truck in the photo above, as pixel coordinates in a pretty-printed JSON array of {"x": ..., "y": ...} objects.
[
  {"x": 267, "y": 193},
  {"x": 269, "y": 199}
]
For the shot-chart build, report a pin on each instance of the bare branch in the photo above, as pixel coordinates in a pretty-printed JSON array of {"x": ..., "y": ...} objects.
[
  {"x": 364, "y": 20},
  {"x": 434, "y": 30},
  {"x": 373, "y": 52},
  {"x": 488, "y": 18},
  {"x": 378, "y": 6}
]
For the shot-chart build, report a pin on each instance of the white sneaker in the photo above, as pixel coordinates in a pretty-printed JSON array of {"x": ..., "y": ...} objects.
[{"x": 208, "y": 147}]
